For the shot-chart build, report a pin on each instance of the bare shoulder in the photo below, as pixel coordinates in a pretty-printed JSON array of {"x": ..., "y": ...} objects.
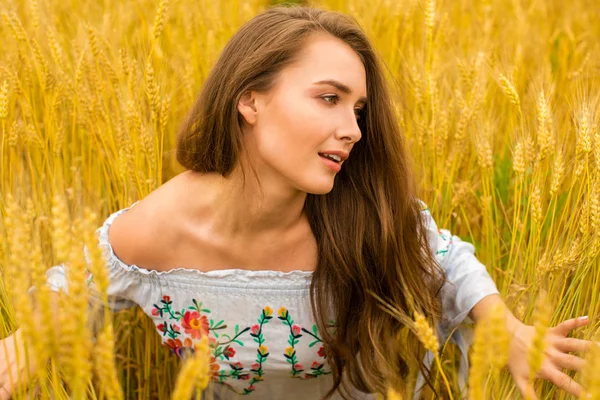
[{"x": 146, "y": 234}]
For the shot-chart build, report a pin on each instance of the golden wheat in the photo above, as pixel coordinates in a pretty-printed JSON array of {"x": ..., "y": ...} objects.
[
  {"x": 558, "y": 172},
  {"x": 544, "y": 138},
  {"x": 104, "y": 364},
  {"x": 536, "y": 355},
  {"x": 194, "y": 373},
  {"x": 479, "y": 364},
  {"x": 92, "y": 107},
  {"x": 425, "y": 333},
  {"x": 509, "y": 90},
  {"x": 591, "y": 374}
]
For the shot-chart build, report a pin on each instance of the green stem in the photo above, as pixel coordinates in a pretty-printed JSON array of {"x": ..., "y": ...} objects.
[{"x": 439, "y": 364}]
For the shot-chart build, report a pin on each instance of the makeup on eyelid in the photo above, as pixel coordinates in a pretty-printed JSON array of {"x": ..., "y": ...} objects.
[{"x": 359, "y": 110}]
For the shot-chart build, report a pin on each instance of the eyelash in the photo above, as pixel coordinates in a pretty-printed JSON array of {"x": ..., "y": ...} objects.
[{"x": 359, "y": 110}]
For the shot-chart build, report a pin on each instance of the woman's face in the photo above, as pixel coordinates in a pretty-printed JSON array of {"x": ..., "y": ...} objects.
[{"x": 311, "y": 110}]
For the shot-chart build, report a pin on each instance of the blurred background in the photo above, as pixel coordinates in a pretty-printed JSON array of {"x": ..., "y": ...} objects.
[{"x": 498, "y": 101}]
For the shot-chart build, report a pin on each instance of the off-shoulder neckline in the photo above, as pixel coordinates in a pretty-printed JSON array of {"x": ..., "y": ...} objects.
[{"x": 218, "y": 273}]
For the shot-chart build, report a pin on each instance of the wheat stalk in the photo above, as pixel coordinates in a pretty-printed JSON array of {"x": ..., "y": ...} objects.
[
  {"x": 536, "y": 355},
  {"x": 194, "y": 373},
  {"x": 479, "y": 363},
  {"x": 104, "y": 364},
  {"x": 558, "y": 172},
  {"x": 544, "y": 118},
  {"x": 157, "y": 28},
  {"x": 509, "y": 90}
]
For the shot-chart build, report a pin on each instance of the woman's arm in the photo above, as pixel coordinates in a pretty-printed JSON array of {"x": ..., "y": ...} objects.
[
  {"x": 468, "y": 281},
  {"x": 484, "y": 307}
]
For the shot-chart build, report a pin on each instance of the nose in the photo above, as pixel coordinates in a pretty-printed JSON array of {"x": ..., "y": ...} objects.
[{"x": 350, "y": 131}]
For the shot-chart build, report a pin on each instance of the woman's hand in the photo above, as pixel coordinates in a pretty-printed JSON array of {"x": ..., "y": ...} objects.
[
  {"x": 9, "y": 367},
  {"x": 557, "y": 357}
]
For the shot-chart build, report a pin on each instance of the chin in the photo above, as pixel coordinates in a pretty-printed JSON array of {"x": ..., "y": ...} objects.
[
  {"x": 319, "y": 191},
  {"x": 316, "y": 187}
]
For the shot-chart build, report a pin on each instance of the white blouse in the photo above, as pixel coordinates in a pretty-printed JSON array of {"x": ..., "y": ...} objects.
[{"x": 265, "y": 343}]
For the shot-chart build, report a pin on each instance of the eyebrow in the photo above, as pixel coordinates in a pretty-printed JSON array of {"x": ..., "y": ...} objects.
[{"x": 341, "y": 87}]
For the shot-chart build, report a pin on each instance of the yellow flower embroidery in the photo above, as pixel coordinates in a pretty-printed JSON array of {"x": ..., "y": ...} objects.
[
  {"x": 262, "y": 349},
  {"x": 268, "y": 311},
  {"x": 289, "y": 351},
  {"x": 282, "y": 312}
]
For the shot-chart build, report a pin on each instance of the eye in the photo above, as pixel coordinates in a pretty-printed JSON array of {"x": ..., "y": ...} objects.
[
  {"x": 334, "y": 96},
  {"x": 359, "y": 112}
]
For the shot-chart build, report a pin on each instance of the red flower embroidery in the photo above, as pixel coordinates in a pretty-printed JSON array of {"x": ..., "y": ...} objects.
[
  {"x": 155, "y": 312},
  {"x": 321, "y": 352},
  {"x": 255, "y": 366},
  {"x": 251, "y": 387},
  {"x": 238, "y": 365},
  {"x": 214, "y": 367},
  {"x": 296, "y": 330},
  {"x": 255, "y": 329},
  {"x": 315, "y": 365},
  {"x": 166, "y": 298},
  {"x": 244, "y": 377},
  {"x": 161, "y": 327},
  {"x": 174, "y": 344},
  {"x": 298, "y": 367},
  {"x": 194, "y": 324},
  {"x": 230, "y": 352}
]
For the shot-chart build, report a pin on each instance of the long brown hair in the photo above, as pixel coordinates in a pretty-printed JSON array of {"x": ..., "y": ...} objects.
[{"x": 370, "y": 229}]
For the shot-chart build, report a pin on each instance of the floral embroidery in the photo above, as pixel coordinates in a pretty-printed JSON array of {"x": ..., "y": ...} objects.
[
  {"x": 262, "y": 352},
  {"x": 195, "y": 325},
  {"x": 321, "y": 352},
  {"x": 445, "y": 236},
  {"x": 186, "y": 349},
  {"x": 192, "y": 322},
  {"x": 290, "y": 352},
  {"x": 316, "y": 367},
  {"x": 89, "y": 277}
]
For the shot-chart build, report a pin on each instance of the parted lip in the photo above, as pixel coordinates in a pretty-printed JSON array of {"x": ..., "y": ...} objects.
[{"x": 341, "y": 154}]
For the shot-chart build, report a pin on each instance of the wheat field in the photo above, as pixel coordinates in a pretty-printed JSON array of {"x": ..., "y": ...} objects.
[{"x": 498, "y": 99}]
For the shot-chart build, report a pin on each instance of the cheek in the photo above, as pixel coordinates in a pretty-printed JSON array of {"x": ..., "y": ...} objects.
[
  {"x": 293, "y": 132},
  {"x": 287, "y": 145}
]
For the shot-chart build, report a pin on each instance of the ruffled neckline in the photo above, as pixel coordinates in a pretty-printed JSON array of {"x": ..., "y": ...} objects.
[{"x": 231, "y": 273}]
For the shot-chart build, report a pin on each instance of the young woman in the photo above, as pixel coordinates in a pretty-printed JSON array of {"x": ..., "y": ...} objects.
[{"x": 297, "y": 211}]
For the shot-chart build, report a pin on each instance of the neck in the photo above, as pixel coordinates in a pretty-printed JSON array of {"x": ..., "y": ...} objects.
[{"x": 244, "y": 213}]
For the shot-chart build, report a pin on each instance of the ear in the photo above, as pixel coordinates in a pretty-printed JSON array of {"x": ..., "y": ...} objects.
[{"x": 247, "y": 107}]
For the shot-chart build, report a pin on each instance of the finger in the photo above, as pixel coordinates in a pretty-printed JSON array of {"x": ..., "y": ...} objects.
[
  {"x": 7, "y": 352},
  {"x": 569, "y": 345},
  {"x": 8, "y": 349},
  {"x": 569, "y": 361},
  {"x": 34, "y": 394},
  {"x": 12, "y": 389},
  {"x": 565, "y": 382},
  {"x": 567, "y": 326},
  {"x": 12, "y": 375},
  {"x": 17, "y": 379},
  {"x": 526, "y": 389},
  {"x": 4, "y": 393}
]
